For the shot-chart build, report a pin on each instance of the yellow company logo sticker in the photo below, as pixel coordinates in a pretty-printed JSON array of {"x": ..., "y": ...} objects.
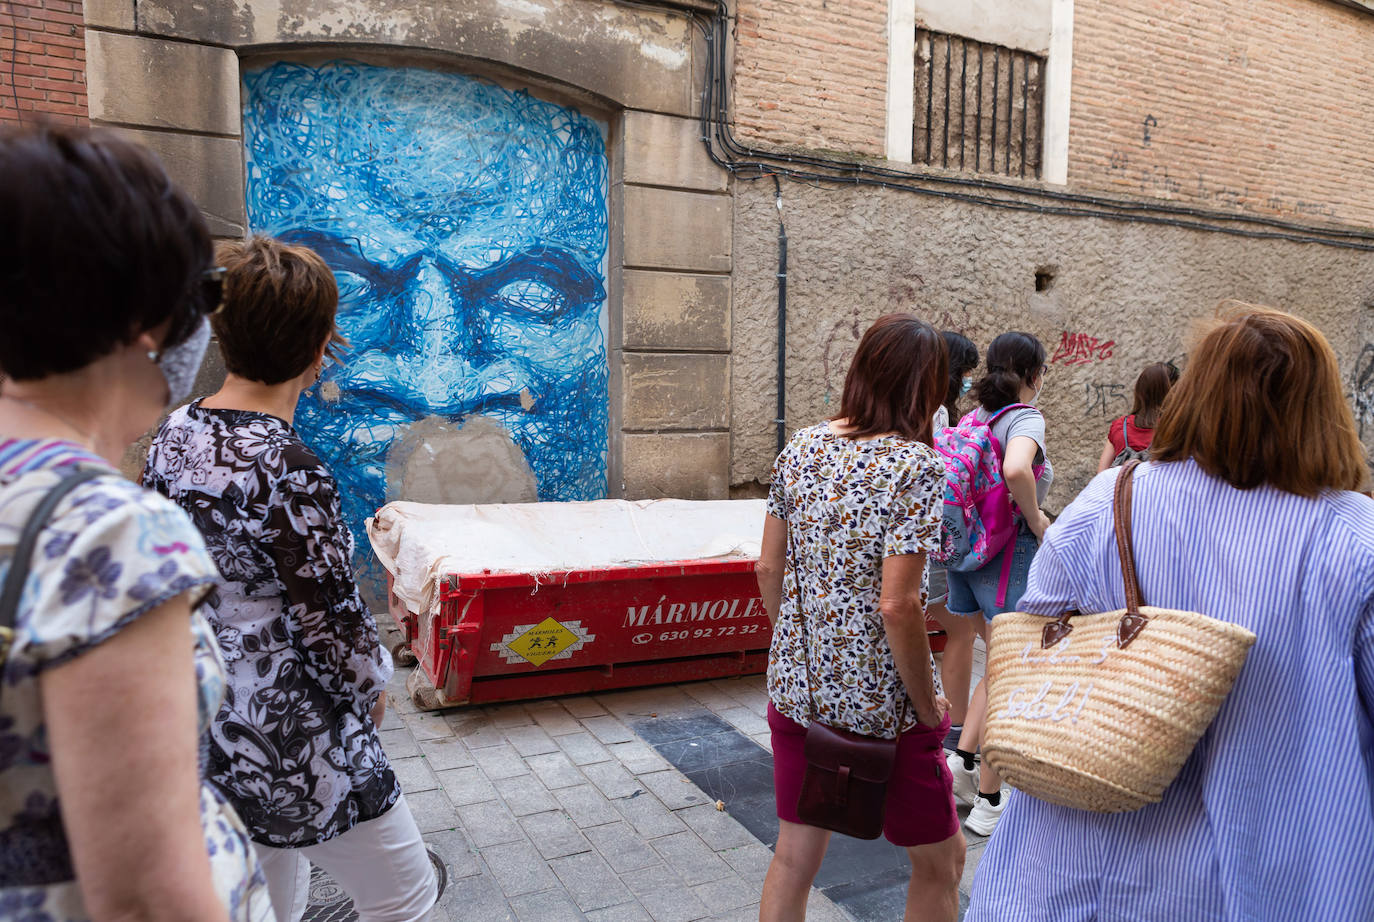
[{"x": 542, "y": 642}]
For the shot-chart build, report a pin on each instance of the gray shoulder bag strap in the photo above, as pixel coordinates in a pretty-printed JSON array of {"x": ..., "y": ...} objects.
[{"x": 18, "y": 572}]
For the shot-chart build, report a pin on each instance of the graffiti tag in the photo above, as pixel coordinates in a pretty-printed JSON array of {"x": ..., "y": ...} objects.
[
  {"x": 1362, "y": 386},
  {"x": 1081, "y": 349},
  {"x": 1099, "y": 398}
]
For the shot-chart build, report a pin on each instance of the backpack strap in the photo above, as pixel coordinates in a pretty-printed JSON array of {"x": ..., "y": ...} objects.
[
  {"x": 1125, "y": 435},
  {"x": 18, "y": 572}
]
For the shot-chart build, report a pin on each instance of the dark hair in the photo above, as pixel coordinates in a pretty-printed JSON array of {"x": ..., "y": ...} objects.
[
  {"x": 100, "y": 246},
  {"x": 1261, "y": 402},
  {"x": 1151, "y": 387},
  {"x": 963, "y": 358},
  {"x": 1013, "y": 360},
  {"x": 280, "y": 302},
  {"x": 896, "y": 379}
]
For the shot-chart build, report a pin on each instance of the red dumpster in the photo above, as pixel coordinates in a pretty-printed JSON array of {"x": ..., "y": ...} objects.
[{"x": 580, "y": 597}]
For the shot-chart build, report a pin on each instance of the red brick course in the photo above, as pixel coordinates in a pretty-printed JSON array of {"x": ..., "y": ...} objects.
[{"x": 43, "y": 61}]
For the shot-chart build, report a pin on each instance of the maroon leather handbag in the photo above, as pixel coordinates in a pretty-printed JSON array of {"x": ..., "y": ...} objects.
[{"x": 845, "y": 785}]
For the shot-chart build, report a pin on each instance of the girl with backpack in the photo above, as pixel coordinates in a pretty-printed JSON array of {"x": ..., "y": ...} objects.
[
  {"x": 1128, "y": 437},
  {"x": 1006, "y": 396}
]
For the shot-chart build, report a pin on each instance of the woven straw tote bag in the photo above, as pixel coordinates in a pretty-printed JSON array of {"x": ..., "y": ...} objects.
[{"x": 1099, "y": 712}]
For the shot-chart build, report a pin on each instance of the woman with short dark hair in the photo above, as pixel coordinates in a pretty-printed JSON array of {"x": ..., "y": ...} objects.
[
  {"x": 295, "y": 746},
  {"x": 853, "y": 511},
  {"x": 1129, "y": 436},
  {"x": 111, "y": 675},
  {"x": 1246, "y": 512}
]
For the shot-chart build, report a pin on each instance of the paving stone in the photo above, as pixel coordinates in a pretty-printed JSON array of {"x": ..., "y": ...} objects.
[
  {"x": 476, "y": 899},
  {"x": 518, "y": 868},
  {"x": 428, "y": 726},
  {"x": 399, "y": 744},
  {"x": 625, "y": 912},
  {"x": 611, "y": 779},
  {"x": 648, "y": 816},
  {"x": 432, "y": 811},
  {"x": 414, "y": 775},
  {"x": 663, "y": 893},
  {"x": 446, "y": 753},
  {"x": 475, "y": 729},
  {"x": 644, "y": 702},
  {"x": 717, "y": 828},
  {"x": 466, "y": 786},
  {"x": 622, "y": 847},
  {"x": 555, "y": 770},
  {"x": 637, "y": 757},
  {"x": 549, "y": 906},
  {"x": 744, "y": 720},
  {"x": 490, "y": 823},
  {"x": 452, "y": 847},
  {"x": 391, "y": 720},
  {"x": 525, "y": 795},
  {"x": 765, "y": 740},
  {"x": 531, "y": 740},
  {"x": 508, "y": 715},
  {"x": 590, "y": 881},
  {"x": 608, "y": 729},
  {"x": 710, "y": 696},
  {"x": 500, "y": 761},
  {"x": 675, "y": 790},
  {"x": 586, "y": 806},
  {"x": 553, "y": 718},
  {"x": 583, "y": 748},
  {"x": 583, "y": 706},
  {"x": 693, "y": 861},
  {"x": 727, "y": 893},
  {"x": 554, "y": 835},
  {"x": 749, "y": 861}
]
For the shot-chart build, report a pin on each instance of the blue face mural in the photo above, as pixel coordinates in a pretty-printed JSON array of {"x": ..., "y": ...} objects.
[{"x": 466, "y": 224}]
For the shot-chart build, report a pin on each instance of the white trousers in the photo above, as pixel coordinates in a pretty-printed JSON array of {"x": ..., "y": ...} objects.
[{"x": 382, "y": 864}]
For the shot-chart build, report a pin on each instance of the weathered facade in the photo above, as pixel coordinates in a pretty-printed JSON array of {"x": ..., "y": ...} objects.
[
  {"x": 1098, "y": 173},
  {"x": 43, "y": 50}
]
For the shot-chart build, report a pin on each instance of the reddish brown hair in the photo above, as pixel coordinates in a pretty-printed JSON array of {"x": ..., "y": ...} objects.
[
  {"x": 897, "y": 379},
  {"x": 279, "y": 307},
  {"x": 1261, "y": 402},
  {"x": 1151, "y": 387}
]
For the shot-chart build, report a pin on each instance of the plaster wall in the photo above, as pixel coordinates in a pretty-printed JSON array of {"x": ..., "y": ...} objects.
[
  {"x": 1122, "y": 295},
  {"x": 1020, "y": 24}
]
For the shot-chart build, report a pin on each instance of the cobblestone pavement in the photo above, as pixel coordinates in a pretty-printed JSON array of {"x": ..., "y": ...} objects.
[{"x": 567, "y": 809}]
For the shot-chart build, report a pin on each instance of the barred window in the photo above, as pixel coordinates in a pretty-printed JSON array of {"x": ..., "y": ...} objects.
[{"x": 979, "y": 107}]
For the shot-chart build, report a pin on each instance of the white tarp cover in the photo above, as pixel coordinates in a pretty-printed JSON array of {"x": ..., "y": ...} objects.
[{"x": 419, "y": 543}]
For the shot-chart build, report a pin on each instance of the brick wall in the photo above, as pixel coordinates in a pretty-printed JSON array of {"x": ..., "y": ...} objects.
[
  {"x": 1266, "y": 106},
  {"x": 812, "y": 74},
  {"x": 47, "y": 70}
]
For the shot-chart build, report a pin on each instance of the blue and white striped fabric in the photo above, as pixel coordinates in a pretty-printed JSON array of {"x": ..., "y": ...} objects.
[{"x": 1272, "y": 817}]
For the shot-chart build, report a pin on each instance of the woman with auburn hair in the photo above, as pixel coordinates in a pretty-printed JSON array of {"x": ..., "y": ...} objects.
[
  {"x": 1245, "y": 512},
  {"x": 1130, "y": 435},
  {"x": 853, "y": 510}
]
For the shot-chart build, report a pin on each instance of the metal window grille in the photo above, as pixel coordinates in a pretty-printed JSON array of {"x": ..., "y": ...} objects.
[{"x": 979, "y": 107}]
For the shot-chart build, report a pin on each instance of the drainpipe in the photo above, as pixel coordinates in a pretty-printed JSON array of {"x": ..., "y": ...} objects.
[{"x": 782, "y": 320}]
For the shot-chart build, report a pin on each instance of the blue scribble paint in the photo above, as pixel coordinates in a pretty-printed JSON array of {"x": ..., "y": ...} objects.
[{"x": 466, "y": 225}]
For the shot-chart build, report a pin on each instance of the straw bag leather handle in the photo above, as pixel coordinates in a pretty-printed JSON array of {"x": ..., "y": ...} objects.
[{"x": 1133, "y": 621}]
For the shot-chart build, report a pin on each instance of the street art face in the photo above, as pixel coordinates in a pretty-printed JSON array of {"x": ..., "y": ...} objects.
[{"x": 466, "y": 225}]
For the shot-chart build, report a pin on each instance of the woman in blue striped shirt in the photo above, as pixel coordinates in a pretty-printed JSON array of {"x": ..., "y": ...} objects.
[{"x": 1245, "y": 513}]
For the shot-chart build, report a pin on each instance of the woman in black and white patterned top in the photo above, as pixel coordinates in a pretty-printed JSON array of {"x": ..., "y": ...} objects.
[{"x": 295, "y": 744}]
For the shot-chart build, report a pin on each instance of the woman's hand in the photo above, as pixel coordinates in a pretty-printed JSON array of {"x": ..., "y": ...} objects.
[{"x": 1038, "y": 523}]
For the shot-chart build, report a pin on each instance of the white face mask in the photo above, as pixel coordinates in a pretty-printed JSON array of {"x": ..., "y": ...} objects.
[
  {"x": 967, "y": 386},
  {"x": 180, "y": 363}
]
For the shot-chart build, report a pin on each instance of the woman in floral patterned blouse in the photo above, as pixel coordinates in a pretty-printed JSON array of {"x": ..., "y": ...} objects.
[
  {"x": 113, "y": 675},
  {"x": 853, "y": 510},
  {"x": 295, "y": 746}
]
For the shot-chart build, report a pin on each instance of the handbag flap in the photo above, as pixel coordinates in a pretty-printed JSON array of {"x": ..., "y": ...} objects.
[{"x": 867, "y": 758}]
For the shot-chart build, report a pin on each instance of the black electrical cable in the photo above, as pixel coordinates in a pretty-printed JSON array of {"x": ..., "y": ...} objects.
[
  {"x": 14, "y": 52},
  {"x": 753, "y": 163}
]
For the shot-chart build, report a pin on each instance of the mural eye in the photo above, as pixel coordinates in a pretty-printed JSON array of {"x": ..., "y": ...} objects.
[
  {"x": 353, "y": 288},
  {"x": 533, "y": 298}
]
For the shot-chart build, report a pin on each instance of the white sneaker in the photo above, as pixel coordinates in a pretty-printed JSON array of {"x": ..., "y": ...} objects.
[
  {"x": 982, "y": 819},
  {"x": 965, "y": 780}
]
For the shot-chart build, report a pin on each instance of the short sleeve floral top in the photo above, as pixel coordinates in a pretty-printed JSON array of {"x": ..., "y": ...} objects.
[
  {"x": 847, "y": 504},
  {"x": 110, "y": 553}
]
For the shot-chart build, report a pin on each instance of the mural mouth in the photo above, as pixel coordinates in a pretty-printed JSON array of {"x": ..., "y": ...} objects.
[{"x": 403, "y": 409}]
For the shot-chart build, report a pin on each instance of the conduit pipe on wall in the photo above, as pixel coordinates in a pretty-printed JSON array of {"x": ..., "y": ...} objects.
[{"x": 782, "y": 320}]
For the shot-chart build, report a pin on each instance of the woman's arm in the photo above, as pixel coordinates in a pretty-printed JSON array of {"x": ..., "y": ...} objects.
[
  {"x": 1108, "y": 455},
  {"x": 121, "y": 722},
  {"x": 772, "y": 561},
  {"x": 1018, "y": 469},
  {"x": 904, "y": 620}
]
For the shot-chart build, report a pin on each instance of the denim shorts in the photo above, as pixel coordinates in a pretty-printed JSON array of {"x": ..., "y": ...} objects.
[
  {"x": 975, "y": 591},
  {"x": 937, "y": 587}
]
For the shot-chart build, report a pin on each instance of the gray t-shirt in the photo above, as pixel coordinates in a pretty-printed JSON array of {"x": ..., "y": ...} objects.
[{"x": 1030, "y": 423}]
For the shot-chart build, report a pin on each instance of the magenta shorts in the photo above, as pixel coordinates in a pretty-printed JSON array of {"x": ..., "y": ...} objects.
[{"x": 920, "y": 796}]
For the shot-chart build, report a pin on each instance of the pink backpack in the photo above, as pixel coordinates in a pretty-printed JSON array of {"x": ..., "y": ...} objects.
[{"x": 980, "y": 517}]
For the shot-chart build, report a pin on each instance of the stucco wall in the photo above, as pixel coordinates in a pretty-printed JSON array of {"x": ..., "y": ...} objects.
[{"x": 855, "y": 254}]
